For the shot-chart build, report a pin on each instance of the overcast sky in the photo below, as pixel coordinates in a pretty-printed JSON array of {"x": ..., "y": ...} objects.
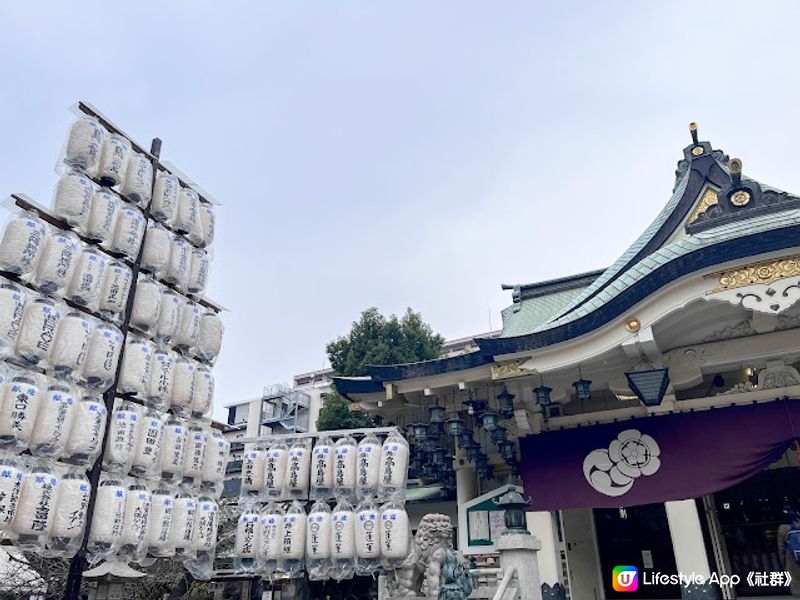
[{"x": 415, "y": 154}]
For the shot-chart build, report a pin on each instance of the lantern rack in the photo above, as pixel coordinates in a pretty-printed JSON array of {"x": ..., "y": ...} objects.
[{"x": 264, "y": 439}]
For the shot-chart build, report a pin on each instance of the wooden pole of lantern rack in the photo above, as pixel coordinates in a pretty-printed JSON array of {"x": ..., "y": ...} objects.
[{"x": 78, "y": 563}]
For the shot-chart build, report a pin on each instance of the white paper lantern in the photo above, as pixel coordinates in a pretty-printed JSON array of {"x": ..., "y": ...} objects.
[
  {"x": 38, "y": 330},
  {"x": 138, "y": 182},
  {"x": 367, "y": 534},
  {"x": 298, "y": 468},
  {"x": 187, "y": 218},
  {"x": 215, "y": 460},
  {"x": 169, "y": 316},
  {"x": 34, "y": 517},
  {"x": 57, "y": 263},
  {"x": 84, "y": 289},
  {"x": 275, "y": 469},
  {"x": 114, "y": 155},
  {"x": 71, "y": 343},
  {"x": 293, "y": 543},
  {"x": 199, "y": 272},
  {"x": 189, "y": 328},
  {"x": 137, "y": 362},
  {"x": 196, "y": 442},
  {"x": 109, "y": 514},
  {"x": 18, "y": 412},
  {"x": 53, "y": 421},
  {"x": 253, "y": 461},
  {"x": 103, "y": 213},
  {"x": 343, "y": 541},
  {"x": 84, "y": 143},
  {"x": 69, "y": 518},
  {"x": 202, "y": 391},
  {"x": 182, "y": 385},
  {"x": 368, "y": 467},
  {"x": 394, "y": 535},
  {"x": 122, "y": 436},
  {"x": 179, "y": 268},
  {"x": 157, "y": 247},
  {"x": 173, "y": 450},
  {"x": 146, "y": 304},
  {"x": 271, "y": 537},
  {"x": 162, "y": 371},
  {"x": 147, "y": 455},
  {"x": 86, "y": 434},
  {"x": 208, "y": 223},
  {"x": 394, "y": 468},
  {"x": 21, "y": 244},
  {"x": 318, "y": 541},
  {"x": 72, "y": 200},
  {"x": 100, "y": 366},
  {"x": 182, "y": 530},
  {"x": 209, "y": 338},
  {"x": 114, "y": 293},
  {"x": 322, "y": 470},
  {"x": 344, "y": 468},
  {"x": 128, "y": 232},
  {"x": 12, "y": 307},
  {"x": 247, "y": 540},
  {"x": 138, "y": 501},
  {"x": 11, "y": 475},
  {"x": 206, "y": 523},
  {"x": 160, "y": 523},
  {"x": 165, "y": 197}
]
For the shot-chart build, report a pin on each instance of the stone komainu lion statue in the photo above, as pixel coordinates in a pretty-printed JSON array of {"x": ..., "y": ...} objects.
[{"x": 421, "y": 572}]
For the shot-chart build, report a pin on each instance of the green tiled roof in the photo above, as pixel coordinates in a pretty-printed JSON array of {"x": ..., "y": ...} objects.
[
  {"x": 673, "y": 250},
  {"x": 527, "y": 315}
]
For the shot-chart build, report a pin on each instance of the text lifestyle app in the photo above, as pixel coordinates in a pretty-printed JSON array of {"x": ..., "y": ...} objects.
[{"x": 625, "y": 578}]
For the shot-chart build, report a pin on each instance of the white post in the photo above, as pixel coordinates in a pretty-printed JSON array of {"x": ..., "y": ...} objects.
[
  {"x": 466, "y": 490},
  {"x": 687, "y": 543},
  {"x": 543, "y": 526},
  {"x": 518, "y": 551}
]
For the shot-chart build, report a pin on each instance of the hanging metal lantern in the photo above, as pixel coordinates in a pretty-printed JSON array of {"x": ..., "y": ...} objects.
[
  {"x": 472, "y": 450},
  {"x": 419, "y": 430},
  {"x": 435, "y": 429},
  {"x": 489, "y": 420},
  {"x": 543, "y": 395},
  {"x": 429, "y": 445},
  {"x": 583, "y": 389},
  {"x": 499, "y": 435},
  {"x": 475, "y": 407},
  {"x": 650, "y": 385},
  {"x": 465, "y": 438},
  {"x": 505, "y": 404},
  {"x": 439, "y": 455},
  {"x": 455, "y": 426},
  {"x": 436, "y": 413},
  {"x": 508, "y": 449}
]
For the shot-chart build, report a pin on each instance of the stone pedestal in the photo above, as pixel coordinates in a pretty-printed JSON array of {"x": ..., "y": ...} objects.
[{"x": 518, "y": 551}]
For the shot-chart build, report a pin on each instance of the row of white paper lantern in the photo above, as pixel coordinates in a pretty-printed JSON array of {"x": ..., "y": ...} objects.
[
  {"x": 103, "y": 217},
  {"x": 49, "y": 417},
  {"x": 137, "y": 521},
  {"x": 110, "y": 159},
  {"x": 164, "y": 379},
  {"x": 37, "y": 330},
  {"x": 43, "y": 509},
  {"x": 343, "y": 469},
  {"x": 58, "y": 263},
  {"x": 153, "y": 445},
  {"x": 327, "y": 543}
]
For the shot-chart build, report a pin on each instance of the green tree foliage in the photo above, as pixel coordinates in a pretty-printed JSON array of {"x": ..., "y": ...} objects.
[
  {"x": 336, "y": 414},
  {"x": 377, "y": 340}
]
